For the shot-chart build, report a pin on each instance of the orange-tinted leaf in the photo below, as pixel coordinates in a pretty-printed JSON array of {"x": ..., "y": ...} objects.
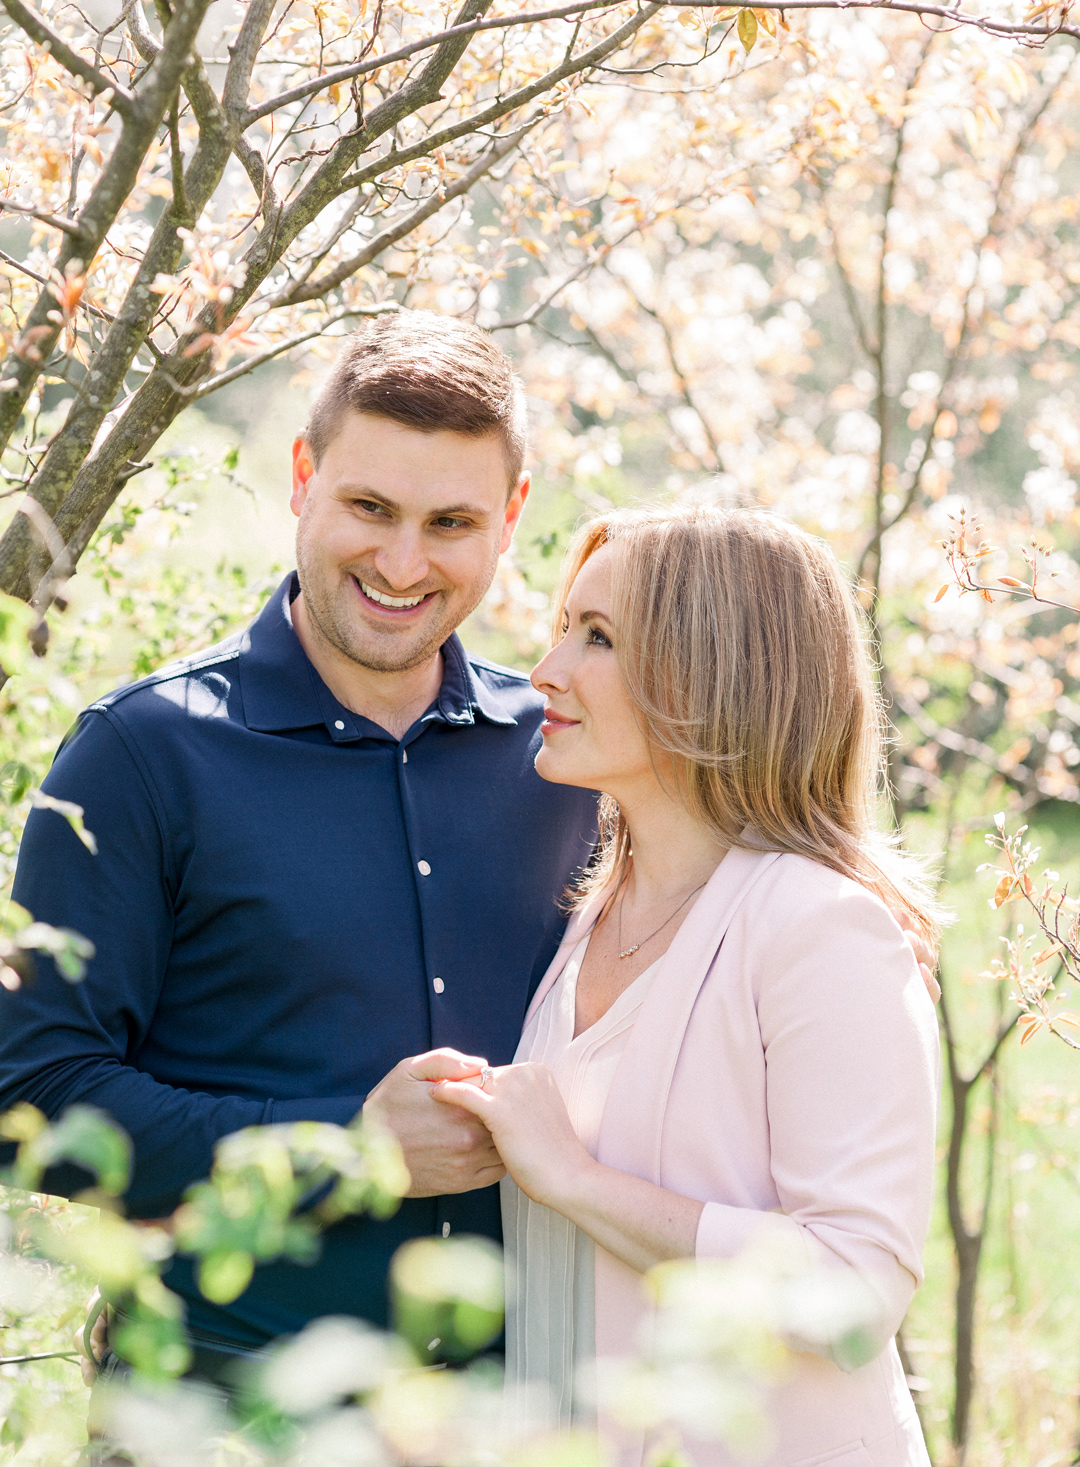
[
  {"x": 1049, "y": 952},
  {"x": 1010, "y": 581},
  {"x": 200, "y": 344},
  {"x": 940, "y": 593},
  {"x": 1002, "y": 890}
]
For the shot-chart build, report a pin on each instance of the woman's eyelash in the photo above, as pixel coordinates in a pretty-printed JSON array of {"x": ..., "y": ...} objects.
[{"x": 596, "y": 635}]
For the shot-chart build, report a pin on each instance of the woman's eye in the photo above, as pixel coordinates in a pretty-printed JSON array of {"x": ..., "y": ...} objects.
[{"x": 596, "y": 638}]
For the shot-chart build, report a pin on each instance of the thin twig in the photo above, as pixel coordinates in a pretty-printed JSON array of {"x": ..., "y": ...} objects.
[
  {"x": 38, "y": 29},
  {"x": 55, "y": 221}
]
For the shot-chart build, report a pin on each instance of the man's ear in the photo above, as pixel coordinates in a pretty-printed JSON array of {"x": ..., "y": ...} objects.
[
  {"x": 514, "y": 505},
  {"x": 303, "y": 467}
]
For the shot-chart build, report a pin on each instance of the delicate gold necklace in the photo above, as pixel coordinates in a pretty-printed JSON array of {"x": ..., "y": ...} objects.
[{"x": 630, "y": 951}]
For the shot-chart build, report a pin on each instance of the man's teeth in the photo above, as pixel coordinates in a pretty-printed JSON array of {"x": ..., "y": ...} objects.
[{"x": 395, "y": 601}]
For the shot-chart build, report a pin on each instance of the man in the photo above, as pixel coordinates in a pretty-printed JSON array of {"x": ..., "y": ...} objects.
[{"x": 322, "y": 845}]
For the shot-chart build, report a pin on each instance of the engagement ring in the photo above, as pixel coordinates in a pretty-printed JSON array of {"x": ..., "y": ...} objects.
[{"x": 486, "y": 1074}]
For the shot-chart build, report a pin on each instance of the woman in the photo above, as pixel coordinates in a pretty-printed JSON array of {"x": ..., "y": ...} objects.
[{"x": 733, "y": 1042}]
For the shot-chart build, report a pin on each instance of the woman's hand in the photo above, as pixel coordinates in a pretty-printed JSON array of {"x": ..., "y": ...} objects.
[
  {"x": 638, "y": 1222},
  {"x": 525, "y": 1113},
  {"x": 925, "y": 955}
]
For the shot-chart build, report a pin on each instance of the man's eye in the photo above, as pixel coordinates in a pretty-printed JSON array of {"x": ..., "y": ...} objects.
[
  {"x": 448, "y": 522},
  {"x": 370, "y": 507}
]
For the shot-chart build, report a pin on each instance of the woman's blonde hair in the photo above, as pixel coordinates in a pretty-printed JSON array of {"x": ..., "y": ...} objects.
[{"x": 742, "y": 648}]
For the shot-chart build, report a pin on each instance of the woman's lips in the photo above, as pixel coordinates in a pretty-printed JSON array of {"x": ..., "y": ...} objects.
[{"x": 553, "y": 722}]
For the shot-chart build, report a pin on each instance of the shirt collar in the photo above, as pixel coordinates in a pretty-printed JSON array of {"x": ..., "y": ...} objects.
[{"x": 281, "y": 689}]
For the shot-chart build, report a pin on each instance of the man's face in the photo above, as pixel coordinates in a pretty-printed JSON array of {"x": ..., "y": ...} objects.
[{"x": 399, "y": 535}]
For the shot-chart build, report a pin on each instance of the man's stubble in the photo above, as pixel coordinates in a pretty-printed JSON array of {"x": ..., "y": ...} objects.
[{"x": 331, "y": 622}]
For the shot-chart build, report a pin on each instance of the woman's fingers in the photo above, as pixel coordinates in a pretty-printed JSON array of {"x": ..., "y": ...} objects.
[
  {"x": 460, "y": 1092},
  {"x": 445, "y": 1064},
  {"x": 933, "y": 987}
]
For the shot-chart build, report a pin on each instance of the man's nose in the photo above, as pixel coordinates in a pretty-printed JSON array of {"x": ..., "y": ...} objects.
[{"x": 402, "y": 560}]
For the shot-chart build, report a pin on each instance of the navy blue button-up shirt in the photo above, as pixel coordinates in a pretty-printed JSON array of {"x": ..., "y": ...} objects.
[{"x": 286, "y": 901}]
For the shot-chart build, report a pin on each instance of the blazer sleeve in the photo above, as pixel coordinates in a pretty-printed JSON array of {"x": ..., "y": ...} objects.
[{"x": 852, "y": 1076}]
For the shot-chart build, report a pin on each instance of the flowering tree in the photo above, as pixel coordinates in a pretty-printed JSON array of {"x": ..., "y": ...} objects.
[{"x": 202, "y": 207}]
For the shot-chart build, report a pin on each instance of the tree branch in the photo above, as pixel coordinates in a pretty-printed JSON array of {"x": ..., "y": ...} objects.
[
  {"x": 107, "y": 198},
  {"x": 55, "y": 221},
  {"x": 584, "y": 61},
  {"x": 42, "y": 280},
  {"x": 381, "y": 308},
  {"x": 38, "y": 29},
  {"x": 989, "y": 24},
  {"x": 145, "y": 43},
  {"x": 955, "y": 356},
  {"x": 464, "y": 30},
  {"x": 313, "y": 290}
]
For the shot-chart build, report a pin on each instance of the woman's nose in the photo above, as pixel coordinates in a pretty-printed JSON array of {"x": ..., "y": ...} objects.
[{"x": 549, "y": 674}]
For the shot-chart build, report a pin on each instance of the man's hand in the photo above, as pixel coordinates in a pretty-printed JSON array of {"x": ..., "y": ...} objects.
[
  {"x": 446, "y": 1149},
  {"x": 925, "y": 955}
]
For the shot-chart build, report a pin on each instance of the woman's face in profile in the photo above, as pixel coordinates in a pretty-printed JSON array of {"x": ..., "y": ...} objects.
[{"x": 591, "y": 735}]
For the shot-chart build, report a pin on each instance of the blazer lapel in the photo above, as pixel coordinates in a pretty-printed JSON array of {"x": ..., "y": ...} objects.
[
  {"x": 580, "y": 923},
  {"x": 632, "y": 1124}
]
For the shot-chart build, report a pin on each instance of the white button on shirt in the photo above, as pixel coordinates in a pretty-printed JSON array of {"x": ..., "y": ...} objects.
[
  {"x": 438, "y": 985},
  {"x": 423, "y": 868},
  {"x": 338, "y": 723}
]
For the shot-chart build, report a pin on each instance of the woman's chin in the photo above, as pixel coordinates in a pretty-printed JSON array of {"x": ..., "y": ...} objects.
[{"x": 549, "y": 766}]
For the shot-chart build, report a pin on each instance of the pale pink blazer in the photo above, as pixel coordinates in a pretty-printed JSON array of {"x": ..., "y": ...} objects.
[{"x": 784, "y": 1070}]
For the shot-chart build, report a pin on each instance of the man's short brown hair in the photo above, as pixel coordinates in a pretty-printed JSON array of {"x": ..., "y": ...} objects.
[{"x": 427, "y": 372}]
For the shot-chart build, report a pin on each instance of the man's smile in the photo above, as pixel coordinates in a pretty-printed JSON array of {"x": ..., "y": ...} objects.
[{"x": 390, "y": 603}]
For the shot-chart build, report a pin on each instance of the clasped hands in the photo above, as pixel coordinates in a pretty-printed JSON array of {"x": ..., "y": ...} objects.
[{"x": 457, "y": 1136}]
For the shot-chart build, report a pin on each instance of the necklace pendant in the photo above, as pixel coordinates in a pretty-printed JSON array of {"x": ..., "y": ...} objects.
[{"x": 630, "y": 951}]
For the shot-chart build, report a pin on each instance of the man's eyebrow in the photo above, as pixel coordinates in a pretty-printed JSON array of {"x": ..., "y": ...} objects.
[
  {"x": 361, "y": 491},
  {"x": 476, "y": 511}
]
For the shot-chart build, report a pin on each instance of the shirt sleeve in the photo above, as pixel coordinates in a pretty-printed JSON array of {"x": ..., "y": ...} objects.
[
  {"x": 63, "y": 1043},
  {"x": 852, "y": 1082}
]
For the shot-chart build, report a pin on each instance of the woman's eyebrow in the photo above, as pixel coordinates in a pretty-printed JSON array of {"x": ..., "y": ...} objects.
[{"x": 589, "y": 615}]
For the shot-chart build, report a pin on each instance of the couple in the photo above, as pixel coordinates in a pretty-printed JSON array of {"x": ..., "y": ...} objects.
[{"x": 323, "y": 845}]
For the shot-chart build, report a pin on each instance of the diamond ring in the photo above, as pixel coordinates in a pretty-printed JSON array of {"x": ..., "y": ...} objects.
[{"x": 486, "y": 1074}]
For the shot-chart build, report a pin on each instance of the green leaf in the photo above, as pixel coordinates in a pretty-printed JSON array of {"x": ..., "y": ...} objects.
[
  {"x": 746, "y": 25},
  {"x": 23, "y": 1122},
  {"x": 69, "y": 950},
  {"x": 223, "y": 1277},
  {"x": 15, "y": 779},
  {"x": 232, "y": 458},
  {"x": 71, "y": 812},
  {"x": 82, "y": 1135},
  {"x": 447, "y": 1296}
]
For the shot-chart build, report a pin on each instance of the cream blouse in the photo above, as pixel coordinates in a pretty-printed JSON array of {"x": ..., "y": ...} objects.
[{"x": 550, "y": 1313}]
